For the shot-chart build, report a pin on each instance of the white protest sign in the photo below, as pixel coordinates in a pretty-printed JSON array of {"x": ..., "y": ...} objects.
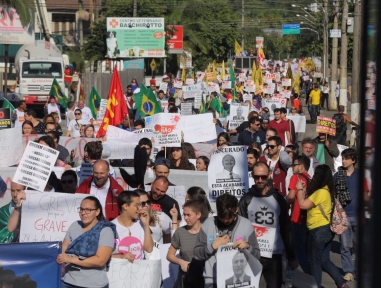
[
  {"x": 11, "y": 147},
  {"x": 169, "y": 270},
  {"x": 226, "y": 84},
  {"x": 197, "y": 101},
  {"x": 35, "y": 166},
  {"x": 163, "y": 86},
  {"x": 102, "y": 109},
  {"x": 198, "y": 128},
  {"x": 306, "y": 78},
  {"x": 238, "y": 114},
  {"x": 189, "y": 81},
  {"x": 279, "y": 87},
  {"x": 338, "y": 160},
  {"x": 167, "y": 130},
  {"x": 228, "y": 173},
  {"x": 128, "y": 137},
  {"x": 286, "y": 93},
  {"x": 85, "y": 172},
  {"x": 213, "y": 87},
  {"x": 140, "y": 273},
  {"x": 250, "y": 86},
  {"x": 164, "y": 104},
  {"x": 191, "y": 93},
  {"x": 268, "y": 90},
  {"x": 286, "y": 82},
  {"x": 266, "y": 239},
  {"x": 247, "y": 97},
  {"x": 277, "y": 76},
  {"x": 237, "y": 268},
  {"x": 47, "y": 216},
  {"x": 242, "y": 76},
  {"x": 178, "y": 84},
  {"x": 178, "y": 193},
  {"x": 299, "y": 122},
  {"x": 274, "y": 103},
  {"x": 186, "y": 108},
  {"x": 193, "y": 87}
]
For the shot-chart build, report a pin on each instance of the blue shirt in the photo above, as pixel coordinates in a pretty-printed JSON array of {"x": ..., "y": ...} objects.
[{"x": 353, "y": 186}]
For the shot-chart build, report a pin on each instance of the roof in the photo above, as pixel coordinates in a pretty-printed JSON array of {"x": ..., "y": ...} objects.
[{"x": 68, "y": 4}]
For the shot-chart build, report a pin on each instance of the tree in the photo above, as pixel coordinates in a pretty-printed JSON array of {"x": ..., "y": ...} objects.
[{"x": 25, "y": 9}]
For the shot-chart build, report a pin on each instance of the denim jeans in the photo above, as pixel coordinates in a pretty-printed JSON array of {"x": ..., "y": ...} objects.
[
  {"x": 346, "y": 240},
  {"x": 66, "y": 285},
  {"x": 315, "y": 111},
  {"x": 300, "y": 238},
  {"x": 319, "y": 247},
  {"x": 210, "y": 286}
]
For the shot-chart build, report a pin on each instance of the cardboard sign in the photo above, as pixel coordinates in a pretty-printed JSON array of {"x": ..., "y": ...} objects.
[
  {"x": 198, "y": 128},
  {"x": 5, "y": 118},
  {"x": 266, "y": 239},
  {"x": 326, "y": 125},
  {"x": 47, "y": 216},
  {"x": 35, "y": 166},
  {"x": 166, "y": 129},
  {"x": 11, "y": 147}
]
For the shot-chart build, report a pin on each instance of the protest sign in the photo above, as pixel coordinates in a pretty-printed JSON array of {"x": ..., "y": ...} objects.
[
  {"x": 102, "y": 109},
  {"x": 5, "y": 118},
  {"x": 227, "y": 172},
  {"x": 238, "y": 114},
  {"x": 306, "y": 78},
  {"x": 200, "y": 76},
  {"x": 276, "y": 95},
  {"x": 198, "y": 128},
  {"x": 191, "y": 93},
  {"x": 299, "y": 122},
  {"x": 140, "y": 273},
  {"x": 213, "y": 87},
  {"x": 265, "y": 236},
  {"x": 129, "y": 137},
  {"x": 286, "y": 82},
  {"x": 247, "y": 97},
  {"x": 85, "y": 172},
  {"x": 269, "y": 89},
  {"x": 186, "y": 108},
  {"x": 237, "y": 268},
  {"x": 274, "y": 103},
  {"x": 249, "y": 86},
  {"x": 271, "y": 76},
  {"x": 286, "y": 93},
  {"x": 268, "y": 81},
  {"x": 11, "y": 147},
  {"x": 48, "y": 216},
  {"x": 167, "y": 130},
  {"x": 277, "y": 76},
  {"x": 242, "y": 77},
  {"x": 164, "y": 105},
  {"x": 35, "y": 262},
  {"x": 197, "y": 101},
  {"x": 35, "y": 166},
  {"x": 279, "y": 87},
  {"x": 169, "y": 270},
  {"x": 211, "y": 76},
  {"x": 163, "y": 86},
  {"x": 193, "y": 87},
  {"x": 326, "y": 125},
  {"x": 178, "y": 84},
  {"x": 189, "y": 81},
  {"x": 226, "y": 84}
]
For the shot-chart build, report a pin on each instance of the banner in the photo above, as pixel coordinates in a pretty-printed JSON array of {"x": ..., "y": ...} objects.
[
  {"x": 198, "y": 128},
  {"x": 11, "y": 29},
  {"x": 167, "y": 129},
  {"x": 5, "y": 118},
  {"x": 274, "y": 103},
  {"x": 135, "y": 37},
  {"x": 31, "y": 264},
  {"x": 140, "y": 273},
  {"x": 326, "y": 125},
  {"x": 48, "y": 216},
  {"x": 11, "y": 146},
  {"x": 228, "y": 173},
  {"x": 237, "y": 268},
  {"x": 35, "y": 166},
  {"x": 238, "y": 114}
]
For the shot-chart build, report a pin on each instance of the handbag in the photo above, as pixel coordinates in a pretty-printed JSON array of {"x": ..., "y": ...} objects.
[{"x": 339, "y": 220}]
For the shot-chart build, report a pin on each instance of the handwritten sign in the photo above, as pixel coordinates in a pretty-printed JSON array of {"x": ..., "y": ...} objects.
[
  {"x": 11, "y": 146},
  {"x": 266, "y": 239},
  {"x": 326, "y": 125},
  {"x": 141, "y": 273},
  {"x": 102, "y": 109},
  {"x": 198, "y": 128},
  {"x": 47, "y": 216},
  {"x": 35, "y": 166},
  {"x": 167, "y": 130}
]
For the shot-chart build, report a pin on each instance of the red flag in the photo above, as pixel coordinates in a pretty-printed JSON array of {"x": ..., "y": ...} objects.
[{"x": 116, "y": 109}]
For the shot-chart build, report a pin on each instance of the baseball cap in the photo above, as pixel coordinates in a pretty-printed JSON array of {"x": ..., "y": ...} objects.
[
  {"x": 264, "y": 120},
  {"x": 162, "y": 161},
  {"x": 266, "y": 109}
]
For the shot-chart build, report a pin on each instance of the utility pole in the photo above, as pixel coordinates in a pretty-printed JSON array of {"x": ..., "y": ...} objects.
[
  {"x": 325, "y": 39},
  {"x": 243, "y": 25},
  {"x": 344, "y": 56},
  {"x": 135, "y": 11},
  {"x": 335, "y": 41},
  {"x": 357, "y": 50}
]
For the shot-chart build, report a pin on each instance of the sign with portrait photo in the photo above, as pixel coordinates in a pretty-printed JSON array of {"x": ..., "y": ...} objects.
[
  {"x": 274, "y": 103},
  {"x": 238, "y": 114}
]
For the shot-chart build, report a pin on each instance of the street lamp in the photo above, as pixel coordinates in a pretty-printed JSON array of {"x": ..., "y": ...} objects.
[
  {"x": 313, "y": 30},
  {"x": 298, "y": 15},
  {"x": 304, "y": 9}
]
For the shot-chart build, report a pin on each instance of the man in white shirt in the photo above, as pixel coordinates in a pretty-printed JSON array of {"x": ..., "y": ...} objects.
[
  {"x": 74, "y": 127},
  {"x": 70, "y": 113},
  {"x": 86, "y": 112},
  {"x": 53, "y": 107},
  {"x": 18, "y": 116}
]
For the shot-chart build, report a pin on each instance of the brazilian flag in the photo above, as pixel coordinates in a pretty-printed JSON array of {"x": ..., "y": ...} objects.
[
  {"x": 94, "y": 102},
  {"x": 203, "y": 106},
  {"x": 216, "y": 104},
  {"x": 57, "y": 91},
  {"x": 146, "y": 102}
]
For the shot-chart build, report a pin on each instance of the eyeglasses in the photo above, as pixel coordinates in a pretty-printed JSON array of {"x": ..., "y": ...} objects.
[
  {"x": 67, "y": 181},
  {"x": 271, "y": 146},
  {"x": 86, "y": 210},
  {"x": 145, "y": 203},
  {"x": 77, "y": 113},
  {"x": 258, "y": 177}
]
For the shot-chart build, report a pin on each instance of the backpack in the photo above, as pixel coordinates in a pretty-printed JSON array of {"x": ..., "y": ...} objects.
[
  {"x": 340, "y": 124},
  {"x": 339, "y": 219}
]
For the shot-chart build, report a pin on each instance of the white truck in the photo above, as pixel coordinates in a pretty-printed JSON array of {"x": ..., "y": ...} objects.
[{"x": 37, "y": 65}]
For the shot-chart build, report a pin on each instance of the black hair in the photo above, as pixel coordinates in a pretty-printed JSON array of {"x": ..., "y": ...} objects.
[
  {"x": 349, "y": 153},
  {"x": 322, "y": 177},
  {"x": 190, "y": 150},
  {"x": 294, "y": 150},
  {"x": 255, "y": 146},
  {"x": 225, "y": 135},
  {"x": 70, "y": 104},
  {"x": 303, "y": 160},
  {"x": 253, "y": 119},
  {"x": 145, "y": 141},
  {"x": 140, "y": 122},
  {"x": 276, "y": 110},
  {"x": 277, "y": 140},
  {"x": 254, "y": 152},
  {"x": 98, "y": 205},
  {"x": 184, "y": 162},
  {"x": 308, "y": 140},
  {"x": 273, "y": 130},
  {"x": 94, "y": 150},
  {"x": 160, "y": 154},
  {"x": 71, "y": 173},
  {"x": 78, "y": 110},
  {"x": 283, "y": 110},
  {"x": 160, "y": 91},
  {"x": 206, "y": 161},
  {"x": 48, "y": 140},
  {"x": 31, "y": 112},
  {"x": 173, "y": 109},
  {"x": 226, "y": 205},
  {"x": 54, "y": 135},
  {"x": 126, "y": 198},
  {"x": 21, "y": 102},
  {"x": 171, "y": 100}
]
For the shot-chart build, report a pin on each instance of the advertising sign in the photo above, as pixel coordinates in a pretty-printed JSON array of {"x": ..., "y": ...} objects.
[
  {"x": 11, "y": 29},
  {"x": 175, "y": 42},
  {"x": 5, "y": 118},
  {"x": 135, "y": 37}
]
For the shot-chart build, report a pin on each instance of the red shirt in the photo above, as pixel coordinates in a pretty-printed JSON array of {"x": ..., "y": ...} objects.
[
  {"x": 296, "y": 216},
  {"x": 281, "y": 128}
]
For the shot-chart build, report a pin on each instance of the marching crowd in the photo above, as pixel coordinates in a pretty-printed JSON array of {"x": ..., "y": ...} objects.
[{"x": 295, "y": 179}]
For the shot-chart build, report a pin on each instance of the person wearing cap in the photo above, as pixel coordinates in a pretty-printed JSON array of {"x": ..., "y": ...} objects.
[
  {"x": 161, "y": 168},
  {"x": 264, "y": 124},
  {"x": 265, "y": 113}
]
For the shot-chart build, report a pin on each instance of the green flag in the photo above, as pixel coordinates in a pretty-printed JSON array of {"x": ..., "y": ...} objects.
[
  {"x": 7, "y": 104},
  {"x": 233, "y": 82},
  {"x": 57, "y": 91},
  {"x": 94, "y": 102},
  {"x": 146, "y": 102},
  {"x": 216, "y": 104},
  {"x": 203, "y": 106}
]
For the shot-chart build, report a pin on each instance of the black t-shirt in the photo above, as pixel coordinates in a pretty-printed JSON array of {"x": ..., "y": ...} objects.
[
  {"x": 40, "y": 128},
  {"x": 165, "y": 204},
  {"x": 244, "y": 125}
]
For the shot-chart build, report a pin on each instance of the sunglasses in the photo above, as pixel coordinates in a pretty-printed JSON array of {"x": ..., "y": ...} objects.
[
  {"x": 67, "y": 181},
  {"x": 258, "y": 177},
  {"x": 256, "y": 124},
  {"x": 145, "y": 203},
  {"x": 77, "y": 113},
  {"x": 271, "y": 146}
]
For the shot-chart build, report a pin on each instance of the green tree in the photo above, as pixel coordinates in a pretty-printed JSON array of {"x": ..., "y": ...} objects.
[{"x": 25, "y": 9}]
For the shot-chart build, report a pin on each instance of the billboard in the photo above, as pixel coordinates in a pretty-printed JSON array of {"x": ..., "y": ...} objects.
[
  {"x": 135, "y": 37},
  {"x": 175, "y": 43},
  {"x": 11, "y": 30}
]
